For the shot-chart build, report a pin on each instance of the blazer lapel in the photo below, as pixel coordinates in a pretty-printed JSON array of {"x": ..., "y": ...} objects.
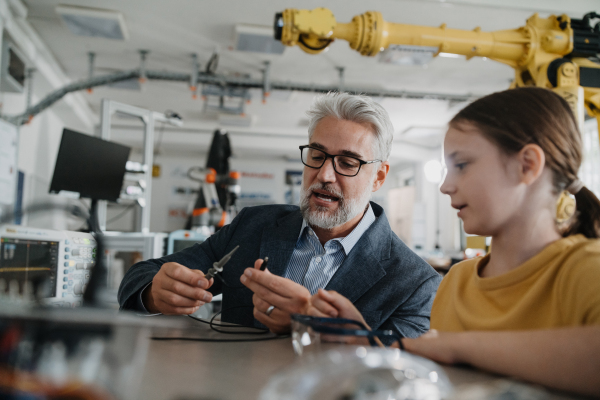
[
  {"x": 278, "y": 242},
  {"x": 359, "y": 271},
  {"x": 362, "y": 268}
]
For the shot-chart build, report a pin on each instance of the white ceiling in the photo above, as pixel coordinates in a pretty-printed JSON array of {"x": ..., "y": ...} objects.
[{"x": 172, "y": 30}]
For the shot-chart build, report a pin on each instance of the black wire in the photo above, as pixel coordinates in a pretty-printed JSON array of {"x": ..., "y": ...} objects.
[
  {"x": 225, "y": 283},
  {"x": 214, "y": 326},
  {"x": 223, "y": 340}
]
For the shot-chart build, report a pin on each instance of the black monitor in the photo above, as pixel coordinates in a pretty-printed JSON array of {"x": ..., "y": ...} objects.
[{"x": 90, "y": 166}]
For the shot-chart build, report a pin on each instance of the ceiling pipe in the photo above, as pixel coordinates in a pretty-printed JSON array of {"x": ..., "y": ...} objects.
[{"x": 213, "y": 79}]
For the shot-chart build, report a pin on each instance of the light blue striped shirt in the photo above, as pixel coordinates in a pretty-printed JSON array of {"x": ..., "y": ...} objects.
[{"x": 313, "y": 265}]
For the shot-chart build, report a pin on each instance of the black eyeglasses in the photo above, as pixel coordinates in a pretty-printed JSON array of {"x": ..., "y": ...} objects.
[
  {"x": 343, "y": 165},
  {"x": 342, "y": 327}
]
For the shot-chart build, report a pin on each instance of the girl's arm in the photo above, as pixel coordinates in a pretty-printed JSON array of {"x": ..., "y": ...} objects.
[{"x": 565, "y": 358}]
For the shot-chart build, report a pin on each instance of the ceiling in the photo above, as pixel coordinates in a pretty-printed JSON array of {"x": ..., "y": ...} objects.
[{"x": 172, "y": 30}]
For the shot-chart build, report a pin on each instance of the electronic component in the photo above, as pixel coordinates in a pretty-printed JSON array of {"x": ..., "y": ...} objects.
[
  {"x": 183, "y": 238},
  {"x": 264, "y": 264},
  {"x": 12, "y": 68},
  {"x": 30, "y": 256},
  {"x": 218, "y": 266}
]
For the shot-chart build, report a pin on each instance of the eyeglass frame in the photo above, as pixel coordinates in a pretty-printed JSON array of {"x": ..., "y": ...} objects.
[
  {"x": 323, "y": 325},
  {"x": 327, "y": 155}
]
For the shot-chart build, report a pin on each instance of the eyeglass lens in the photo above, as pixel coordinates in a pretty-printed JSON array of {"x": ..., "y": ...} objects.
[{"x": 342, "y": 164}]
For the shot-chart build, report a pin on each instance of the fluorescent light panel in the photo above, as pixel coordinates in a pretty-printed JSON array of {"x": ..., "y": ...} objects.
[
  {"x": 256, "y": 38},
  {"x": 83, "y": 21}
]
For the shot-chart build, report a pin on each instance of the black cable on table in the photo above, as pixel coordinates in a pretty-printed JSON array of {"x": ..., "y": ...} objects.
[
  {"x": 214, "y": 326},
  {"x": 222, "y": 340}
]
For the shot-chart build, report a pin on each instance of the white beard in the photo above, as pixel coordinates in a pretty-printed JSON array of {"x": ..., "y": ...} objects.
[{"x": 322, "y": 217}]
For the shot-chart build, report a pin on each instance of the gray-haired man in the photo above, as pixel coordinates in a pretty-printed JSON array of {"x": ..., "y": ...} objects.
[{"x": 336, "y": 240}]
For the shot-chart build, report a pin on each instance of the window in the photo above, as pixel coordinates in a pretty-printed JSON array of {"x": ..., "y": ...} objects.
[{"x": 590, "y": 167}]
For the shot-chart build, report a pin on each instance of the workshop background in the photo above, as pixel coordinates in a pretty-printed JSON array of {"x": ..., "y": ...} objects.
[{"x": 234, "y": 39}]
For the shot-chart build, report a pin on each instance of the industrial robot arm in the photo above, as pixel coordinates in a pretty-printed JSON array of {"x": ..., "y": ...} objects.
[{"x": 557, "y": 52}]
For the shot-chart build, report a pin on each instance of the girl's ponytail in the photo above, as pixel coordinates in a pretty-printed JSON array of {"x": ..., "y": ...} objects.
[{"x": 587, "y": 215}]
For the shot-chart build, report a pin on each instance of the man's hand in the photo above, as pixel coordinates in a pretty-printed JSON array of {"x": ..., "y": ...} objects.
[
  {"x": 332, "y": 304},
  {"x": 177, "y": 290},
  {"x": 287, "y": 296}
]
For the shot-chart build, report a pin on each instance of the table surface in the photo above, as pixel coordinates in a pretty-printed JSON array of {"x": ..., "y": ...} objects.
[{"x": 196, "y": 370}]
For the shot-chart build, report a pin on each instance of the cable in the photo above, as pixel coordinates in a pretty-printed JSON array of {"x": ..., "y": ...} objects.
[
  {"x": 128, "y": 208},
  {"x": 222, "y": 340},
  {"x": 212, "y": 324},
  {"x": 225, "y": 283}
]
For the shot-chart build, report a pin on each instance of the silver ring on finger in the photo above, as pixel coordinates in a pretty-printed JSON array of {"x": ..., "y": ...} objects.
[{"x": 270, "y": 310}]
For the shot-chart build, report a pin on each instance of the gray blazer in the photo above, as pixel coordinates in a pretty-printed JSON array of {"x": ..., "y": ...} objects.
[{"x": 390, "y": 285}]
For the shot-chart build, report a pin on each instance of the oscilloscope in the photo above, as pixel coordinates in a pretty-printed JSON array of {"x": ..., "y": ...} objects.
[{"x": 62, "y": 258}]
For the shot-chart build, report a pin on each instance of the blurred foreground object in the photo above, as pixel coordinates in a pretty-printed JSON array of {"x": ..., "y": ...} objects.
[
  {"x": 350, "y": 372},
  {"x": 82, "y": 353}
]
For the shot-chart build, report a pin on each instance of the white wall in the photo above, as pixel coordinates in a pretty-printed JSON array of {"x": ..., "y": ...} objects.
[{"x": 39, "y": 140}]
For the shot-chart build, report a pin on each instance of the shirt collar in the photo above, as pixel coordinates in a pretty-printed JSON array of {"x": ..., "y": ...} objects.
[{"x": 349, "y": 241}]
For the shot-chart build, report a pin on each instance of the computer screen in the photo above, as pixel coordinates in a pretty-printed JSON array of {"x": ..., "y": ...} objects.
[
  {"x": 90, "y": 166},
  {"x": 23, "y": 260},
  {"x": 179, "y": 245}
]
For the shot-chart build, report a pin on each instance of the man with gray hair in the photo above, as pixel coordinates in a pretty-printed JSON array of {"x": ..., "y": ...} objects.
[{"x": 336, "y": 240}]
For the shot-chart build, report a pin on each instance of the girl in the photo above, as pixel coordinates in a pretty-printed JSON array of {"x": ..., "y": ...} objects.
[{"x": 531, "y": 307}]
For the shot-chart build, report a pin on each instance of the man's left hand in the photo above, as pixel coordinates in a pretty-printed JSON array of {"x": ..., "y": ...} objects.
[{"x": 286, "y": 296}]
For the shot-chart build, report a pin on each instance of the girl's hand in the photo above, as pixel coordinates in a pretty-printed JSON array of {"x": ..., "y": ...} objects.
[{"x": 436, "y": 346}]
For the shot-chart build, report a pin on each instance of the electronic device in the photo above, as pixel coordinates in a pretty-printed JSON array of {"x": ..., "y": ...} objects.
[
  {"x": 182, "y": 239},
  {"x": 62, "y": 258},
  {"x": 90, "y": 166},
  {"x": 12, "y": 68}
]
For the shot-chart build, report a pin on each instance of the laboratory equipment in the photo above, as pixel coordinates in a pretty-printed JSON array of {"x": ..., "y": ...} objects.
[
  {"x": 218, "y": 266},
  {"x": 183, "y": 238},
  {"x": 92, "y": 167},
  {"x": 12, "y": 67},
  {"x": 59, "y": 260},
  {"x": 559, "y": 53},
  {"x": 219, "y": 188}
]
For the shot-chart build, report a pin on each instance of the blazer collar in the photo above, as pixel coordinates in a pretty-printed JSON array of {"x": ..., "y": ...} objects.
[
  {"x": 360, "y": 270},
  {"x": 362, "y": 267}
]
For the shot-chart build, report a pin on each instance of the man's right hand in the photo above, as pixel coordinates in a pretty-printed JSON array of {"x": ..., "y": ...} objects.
[{"x": 177, "y": 290}]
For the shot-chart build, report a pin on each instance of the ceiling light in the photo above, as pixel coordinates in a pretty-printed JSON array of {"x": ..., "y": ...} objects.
[
  {"x": 407, "y": 55},
  {"x": 84, "y": 21},
  {"x": 450, "y": 55},
  {"x": 257, "y": 38},
  {"x": 433, "y": 171}
]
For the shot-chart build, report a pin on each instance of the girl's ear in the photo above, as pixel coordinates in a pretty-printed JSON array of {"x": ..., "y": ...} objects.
[{"x": 533, "y": 161}]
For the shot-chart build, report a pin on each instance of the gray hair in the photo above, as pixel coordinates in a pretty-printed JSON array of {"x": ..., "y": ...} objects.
[{"x": 355, "y": 108}]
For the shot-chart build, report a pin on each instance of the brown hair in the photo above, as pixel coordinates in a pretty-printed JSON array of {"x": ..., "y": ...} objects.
[{"x": 514, "y": 118}]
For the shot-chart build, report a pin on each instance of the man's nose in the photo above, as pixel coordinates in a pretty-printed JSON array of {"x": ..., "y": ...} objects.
[{"x": 327, "y": 173}]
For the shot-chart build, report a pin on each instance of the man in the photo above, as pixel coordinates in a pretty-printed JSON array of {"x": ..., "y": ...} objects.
[{"x": 336, "y": 240}]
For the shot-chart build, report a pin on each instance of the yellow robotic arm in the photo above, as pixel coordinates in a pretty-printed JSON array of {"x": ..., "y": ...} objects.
[{"x": 554, "y": 52}]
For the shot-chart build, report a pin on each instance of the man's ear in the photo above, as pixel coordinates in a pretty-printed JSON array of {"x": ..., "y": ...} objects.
[
  {"x": 381, "y": 174},
  {"x": 532, "y": 162}
]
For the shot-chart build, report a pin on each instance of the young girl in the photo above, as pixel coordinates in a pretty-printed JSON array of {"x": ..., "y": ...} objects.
[{"x": 530, "y": 308}]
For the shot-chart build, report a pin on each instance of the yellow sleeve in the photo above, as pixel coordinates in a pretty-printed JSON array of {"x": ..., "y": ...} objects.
[{"x": 581, "y": 286}]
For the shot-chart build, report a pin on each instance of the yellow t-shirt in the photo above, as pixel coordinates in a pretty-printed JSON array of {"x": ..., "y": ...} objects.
[{"x": 558, "y": 287}]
